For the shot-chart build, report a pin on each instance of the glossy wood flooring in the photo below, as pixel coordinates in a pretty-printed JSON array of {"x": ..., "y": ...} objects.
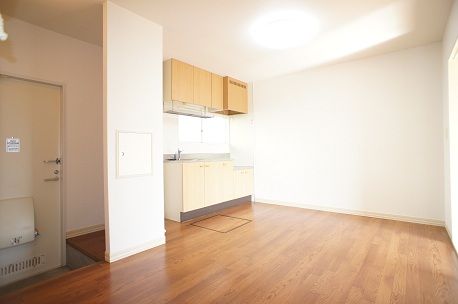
[
  {"x": 92, "y": 245},
  {"x": 284, "y": 255}
]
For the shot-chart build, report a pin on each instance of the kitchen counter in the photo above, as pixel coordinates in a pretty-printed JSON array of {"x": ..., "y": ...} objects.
[
  {"x": 197, "y": 157},
  {"x": 242, "y": 167},
  {"x": 195, "y": 160}
]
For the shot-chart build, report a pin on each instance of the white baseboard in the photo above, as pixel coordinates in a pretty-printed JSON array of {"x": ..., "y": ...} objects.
[
  {"x": 115, "y": 256},
  {"x": 86, "y": 230},
  {"x": 449, "y": 232},
  {"x": 386, "y": 216}
]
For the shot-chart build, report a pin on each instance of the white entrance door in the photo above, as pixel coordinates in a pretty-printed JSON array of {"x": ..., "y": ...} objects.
[{"x": 30, "y": 115}]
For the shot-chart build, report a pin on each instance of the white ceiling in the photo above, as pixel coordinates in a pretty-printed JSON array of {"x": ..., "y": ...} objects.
[{"x": 215, "y": 35}]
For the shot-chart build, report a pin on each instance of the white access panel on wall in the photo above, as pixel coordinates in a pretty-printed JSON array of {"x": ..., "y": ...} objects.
[{"x": 134, "y": 153}]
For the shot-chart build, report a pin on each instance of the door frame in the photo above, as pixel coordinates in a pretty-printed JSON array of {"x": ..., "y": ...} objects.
[
  {"x": 62, "y": 200},
  {"x": 452, "y": 91}
]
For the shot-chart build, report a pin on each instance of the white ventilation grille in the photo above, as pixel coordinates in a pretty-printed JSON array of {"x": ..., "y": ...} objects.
[{"x": 24, "y": 265}]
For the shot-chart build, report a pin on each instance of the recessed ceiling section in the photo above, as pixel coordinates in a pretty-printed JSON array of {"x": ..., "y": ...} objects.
[{"x": 217, "y": 35}]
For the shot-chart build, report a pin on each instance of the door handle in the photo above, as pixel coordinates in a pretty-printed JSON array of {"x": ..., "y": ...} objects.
[
  {"x": 56, "y": 161},
  {"x": 54, "y": 179}
]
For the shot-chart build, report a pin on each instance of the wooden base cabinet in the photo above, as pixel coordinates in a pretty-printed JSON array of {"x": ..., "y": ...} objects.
[
  {"x": 193, "y": 186},
  {"x": 227, "y": 172},
  {"x": 243, "y": 182},
  {"x": 190, "y": 186},
  {"x": 202, "y": 185},
  {"x": 213, "y": 186}
]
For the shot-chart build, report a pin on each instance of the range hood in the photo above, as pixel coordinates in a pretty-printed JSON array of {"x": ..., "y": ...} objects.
[{"x": 188, "y": 109}]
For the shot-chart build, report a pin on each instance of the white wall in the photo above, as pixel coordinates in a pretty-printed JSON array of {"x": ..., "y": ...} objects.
[
  {"x": 242, "y": 134},
  {"x": 35, "y": 53},
  {"x": 451, "y": 127},
  {"x": 364, "y": 135},
  {"x": 171, "y": 143},
  {"x": 134, "y": 206}
]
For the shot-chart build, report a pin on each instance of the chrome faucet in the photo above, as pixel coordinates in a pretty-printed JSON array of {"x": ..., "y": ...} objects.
[{"x": 179, "y": 153}]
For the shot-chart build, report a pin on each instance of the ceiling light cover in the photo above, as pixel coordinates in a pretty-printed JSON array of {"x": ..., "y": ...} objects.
[{"x": 284, "y": 29}]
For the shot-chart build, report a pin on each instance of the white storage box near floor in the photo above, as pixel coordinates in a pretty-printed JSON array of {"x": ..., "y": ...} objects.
[{"x": 17, "y": 224}]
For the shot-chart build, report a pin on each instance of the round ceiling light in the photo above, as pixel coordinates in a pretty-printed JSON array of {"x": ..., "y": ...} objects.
[{"x": 284, "y": 30}]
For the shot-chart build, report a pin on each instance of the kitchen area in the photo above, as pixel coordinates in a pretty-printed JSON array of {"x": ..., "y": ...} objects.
[{"x": 208, "y": 127}]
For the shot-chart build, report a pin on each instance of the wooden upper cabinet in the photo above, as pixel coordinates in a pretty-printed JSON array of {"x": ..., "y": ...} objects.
[
  {"x": 186, "y": 83},
  {"x": 202, "y": 87},
  {"x": 217, "y": 92},
  {"x": 178, "y": 81},
  {"x": 235, "y": 96}
]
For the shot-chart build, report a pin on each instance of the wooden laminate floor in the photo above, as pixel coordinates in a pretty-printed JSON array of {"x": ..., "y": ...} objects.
[
  {"x": 284, "y": 255},
  {"x": 92, "y": 245}
]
